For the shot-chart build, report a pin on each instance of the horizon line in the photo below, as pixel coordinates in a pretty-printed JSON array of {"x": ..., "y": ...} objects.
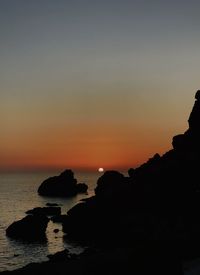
[{"x": 62, "y": 168}]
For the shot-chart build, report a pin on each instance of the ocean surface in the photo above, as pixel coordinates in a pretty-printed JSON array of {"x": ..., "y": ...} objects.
[{"x": 18, "y": 193}]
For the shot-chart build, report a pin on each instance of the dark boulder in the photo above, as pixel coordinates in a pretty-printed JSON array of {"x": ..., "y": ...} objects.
[
  {"x": 30, "y": 228},
  {"x": 179, "y": 142},
  {"x": 64, "y": 185},
  {"x": 47, "y": 211},
  {"x": 82, "y": 188},
  {"x": 82, "y": 221},
  {"x": 108, "y": 183}
]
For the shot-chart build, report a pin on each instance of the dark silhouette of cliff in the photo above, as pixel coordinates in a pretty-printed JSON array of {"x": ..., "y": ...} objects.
[{"x": 157, "y": 205}]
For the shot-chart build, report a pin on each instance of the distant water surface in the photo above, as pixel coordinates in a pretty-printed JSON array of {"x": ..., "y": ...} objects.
[{"x": 18, "y": 193}]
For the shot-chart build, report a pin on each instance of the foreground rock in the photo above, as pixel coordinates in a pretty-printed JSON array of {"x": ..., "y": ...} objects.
[
  {"x": 64, "y": 185},
  {"x": 93, "y": 219},
  {"x": 30, "y": 228}
]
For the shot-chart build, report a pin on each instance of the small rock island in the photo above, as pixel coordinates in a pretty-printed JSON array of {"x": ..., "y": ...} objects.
[{"x": 64, "y": 185}]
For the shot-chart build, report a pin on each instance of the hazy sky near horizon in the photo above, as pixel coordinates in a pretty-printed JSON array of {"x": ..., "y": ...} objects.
[{"x": 89, "y": 83}]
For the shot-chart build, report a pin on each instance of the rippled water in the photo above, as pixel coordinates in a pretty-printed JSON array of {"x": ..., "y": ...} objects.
[{"x": 18, "y": 193}]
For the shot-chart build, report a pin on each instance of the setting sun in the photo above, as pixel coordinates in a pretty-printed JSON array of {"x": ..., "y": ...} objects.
[{"x": 100, "y": 169}]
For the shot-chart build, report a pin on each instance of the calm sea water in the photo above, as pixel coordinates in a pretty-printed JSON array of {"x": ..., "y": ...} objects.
[{"x": 18, "y": 193}]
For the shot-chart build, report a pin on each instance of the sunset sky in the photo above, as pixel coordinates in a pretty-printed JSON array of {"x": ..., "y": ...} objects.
[{"x": 87, "y": 84}]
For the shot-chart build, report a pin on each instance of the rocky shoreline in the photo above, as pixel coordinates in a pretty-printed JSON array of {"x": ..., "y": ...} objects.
[{"x": 103, "y": 261}]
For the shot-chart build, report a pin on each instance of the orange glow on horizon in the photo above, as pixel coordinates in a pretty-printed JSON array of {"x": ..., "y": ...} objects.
[
  {"x": 116, "y": 147},
  {"x": 89, "y": 86}
]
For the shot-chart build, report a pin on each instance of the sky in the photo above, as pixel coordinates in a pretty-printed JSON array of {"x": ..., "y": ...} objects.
[{"x": 87, "y": 84}]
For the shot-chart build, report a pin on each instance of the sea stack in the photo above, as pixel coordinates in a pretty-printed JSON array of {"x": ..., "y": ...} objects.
[{"x": 64, "y": 185}]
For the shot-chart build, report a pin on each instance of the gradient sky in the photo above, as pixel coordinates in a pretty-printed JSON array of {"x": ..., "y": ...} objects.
[{"x": 88, "y": 84}]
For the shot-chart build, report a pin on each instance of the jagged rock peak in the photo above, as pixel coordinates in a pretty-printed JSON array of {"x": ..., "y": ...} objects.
[
  {"x": 194, "y": 119},
  {"x": 197, "y": 96},
  {"x": 190, "y": 139}
]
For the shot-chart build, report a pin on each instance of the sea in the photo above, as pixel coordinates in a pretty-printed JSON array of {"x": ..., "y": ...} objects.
[{"x": 18, "y": 193}]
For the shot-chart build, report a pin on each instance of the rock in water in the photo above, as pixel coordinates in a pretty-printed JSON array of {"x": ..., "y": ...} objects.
[
  {"x": 64, "y": 185},
  {"x": 82, "y": 188},
  {"x": 30, "y": 228}
]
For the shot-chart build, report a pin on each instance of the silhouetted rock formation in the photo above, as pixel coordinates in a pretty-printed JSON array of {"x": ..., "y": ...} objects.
[
  {"x": 47, "y": 211},
  {"x": 81, "y": 188},
  {"x": 110, "y": 182},
  {"x": 64, "y": 185},
  {"x": 189, "y": 141},
  {"x": 195, "y": 114},
  {"x": 30, "y": 228},
  {"x": 159, "y": 203}
]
